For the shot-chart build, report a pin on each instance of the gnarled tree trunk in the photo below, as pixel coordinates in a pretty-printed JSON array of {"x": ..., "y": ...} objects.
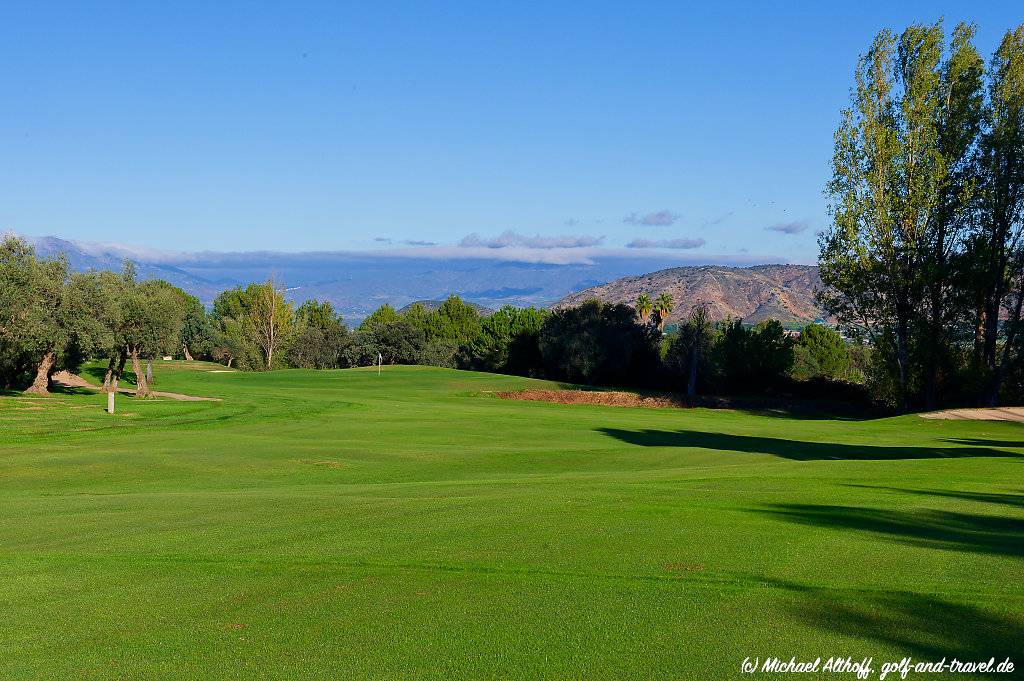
[
  {"x": 108, "y": 377},
  {"x": 188, "y": 355},
  {"x": 141, "y": 387},
  {"x": 116, "y": 377},
  {"x": 41, "y": 384}
]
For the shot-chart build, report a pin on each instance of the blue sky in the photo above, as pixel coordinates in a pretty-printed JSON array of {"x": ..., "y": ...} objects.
[{"x": 699, "y": 130}]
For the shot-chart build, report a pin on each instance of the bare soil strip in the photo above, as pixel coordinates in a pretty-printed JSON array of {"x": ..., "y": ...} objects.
[
  {"x": 70, "y": 380},
  {"x": 993, "y": 414},
  {"x": 607, "y": 398}
]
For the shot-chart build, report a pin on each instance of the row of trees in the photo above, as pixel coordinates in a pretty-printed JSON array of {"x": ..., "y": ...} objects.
[
  {"x": 925, "y": 253},
  {"x": 255, "y": 328},
  {"x": 54, "y": 319},
  {"x": 610, "y": 344},
  {"x": 729, "y": 357}
]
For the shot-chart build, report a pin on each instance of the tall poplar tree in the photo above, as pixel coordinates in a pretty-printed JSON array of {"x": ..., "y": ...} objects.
[
  {"x": 959, "y": 114},
  {"x": 997, "y": 244},
  {"x": 890, "y": 177}
]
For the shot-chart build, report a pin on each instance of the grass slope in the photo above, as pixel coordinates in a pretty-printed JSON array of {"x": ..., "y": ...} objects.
[{"x": 345, "y": 525}]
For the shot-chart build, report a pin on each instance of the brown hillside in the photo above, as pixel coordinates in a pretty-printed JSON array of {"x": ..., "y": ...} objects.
[{"x": 783, "y": 292}]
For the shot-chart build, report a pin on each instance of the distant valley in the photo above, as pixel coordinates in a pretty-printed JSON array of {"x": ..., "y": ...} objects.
[{"x": 358, "y": 283}]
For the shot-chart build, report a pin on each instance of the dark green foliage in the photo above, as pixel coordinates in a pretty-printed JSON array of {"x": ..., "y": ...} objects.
[
  {"x": 821, "y": 351},
  {"x": 509, "y": 341},
  {"x": 924, "y": 254},
  {"x": 597, "y": 343},
  {"x": 252, "y": 327},
  {"x": 440, "y": 352},
  {"x": 397, "y": 341},
  {"x": 152, "y": 318},
  {"x": 453, "y": 321},
  {"x": 49, "y": 318},
  {"x": 418, "y": 316},
  {"x": 197, "y": 331},
  {"x": 383, "y": 315},
  {"x": 752, "y": 359},
  {"x": 441, "y": 337},
  {"x": 321, "y": 338},
  {"x": 450, "y": 331},
  {"x": 688, "y": 353}
]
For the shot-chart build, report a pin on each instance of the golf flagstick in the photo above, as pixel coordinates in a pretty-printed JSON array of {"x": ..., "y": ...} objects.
[{"x": 380, "y": 360}]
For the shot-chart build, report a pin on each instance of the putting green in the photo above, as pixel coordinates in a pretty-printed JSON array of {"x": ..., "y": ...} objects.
[{"x": 344, "y": 525}]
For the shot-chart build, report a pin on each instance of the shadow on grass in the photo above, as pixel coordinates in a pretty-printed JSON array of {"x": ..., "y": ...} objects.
[
  {"x": 952, "y": 531},
  {"x": 57, "y": 389},
  {"x": 991, "y": 443},
  {"x": 98, "y": 373},
  {"x": 1006, "y": 499},
  {"x": 923, "y": 626},
  {"x": 793, "y": 449},
  {"x": 767, "y": 406}
]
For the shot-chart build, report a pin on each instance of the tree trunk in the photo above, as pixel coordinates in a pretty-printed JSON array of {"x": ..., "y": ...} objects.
[
  {"x": 931, "y": 371},
  {"x": 903, "y": 362},
  {"x": 149, "y": 371},
  {"x": 188, "y": 355},
  {"x": 991, "y": 333},
  {"x": 141, "y": 387},
  {"x": 118, "y": 371},
  {"x": 691, "y": 382},
  {"x": 108, "y": 377},
  {"x": 41, "y": 384},
  {"x": 992, "y": 398}
]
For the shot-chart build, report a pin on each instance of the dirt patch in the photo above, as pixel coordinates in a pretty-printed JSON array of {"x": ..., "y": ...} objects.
[
  {"x": 993, "y": 414},
  {"x": 329, "y": 463},
  {"x": 70, "y": 380},
  {"x": 608, "y": 398}
]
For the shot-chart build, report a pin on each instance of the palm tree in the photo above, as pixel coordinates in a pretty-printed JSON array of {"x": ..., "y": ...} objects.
[
  {"x": 662, "y": 308},
  {"x": 643, "y": 307}
]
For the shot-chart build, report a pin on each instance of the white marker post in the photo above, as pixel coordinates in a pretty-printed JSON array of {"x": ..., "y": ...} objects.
[
  {"x": 110, "y": 402},
  {"x": 380, "y": 360}
]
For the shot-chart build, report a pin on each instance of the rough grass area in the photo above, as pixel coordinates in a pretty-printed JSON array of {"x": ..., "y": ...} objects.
[{"x": 344, "y": 525}]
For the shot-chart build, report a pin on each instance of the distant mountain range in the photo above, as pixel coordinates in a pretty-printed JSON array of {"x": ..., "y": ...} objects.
[
  {"x": 783, "y": 292},
  {"x": 358, "y": 283}
]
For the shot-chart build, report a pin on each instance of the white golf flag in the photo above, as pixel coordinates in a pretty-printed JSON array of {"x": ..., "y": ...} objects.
[{"x": 380, "y": 360}]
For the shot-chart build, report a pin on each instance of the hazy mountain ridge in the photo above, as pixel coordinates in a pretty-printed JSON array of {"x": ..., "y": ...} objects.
[
  {"x": 357, "y": 283},
  {"x": 756, "y": 293}
]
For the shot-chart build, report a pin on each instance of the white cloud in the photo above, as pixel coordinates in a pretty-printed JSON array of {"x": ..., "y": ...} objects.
[
  {"x": 660, "y": 218},
  {"x": 666, "y": 243},
  {"x": 510, "y": 239}
]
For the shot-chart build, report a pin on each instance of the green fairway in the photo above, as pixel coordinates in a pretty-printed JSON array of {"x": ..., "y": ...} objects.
[{"x": 338, "y": 524}]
